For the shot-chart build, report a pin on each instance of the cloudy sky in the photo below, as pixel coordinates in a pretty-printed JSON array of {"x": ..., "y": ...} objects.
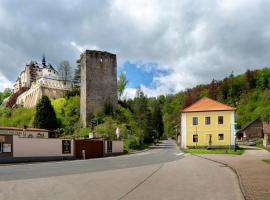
[{"x": 162, "y": 46}]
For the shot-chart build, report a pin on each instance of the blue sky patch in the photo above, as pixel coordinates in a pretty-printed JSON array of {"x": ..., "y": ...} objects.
[{"x": 138, "y": 73}]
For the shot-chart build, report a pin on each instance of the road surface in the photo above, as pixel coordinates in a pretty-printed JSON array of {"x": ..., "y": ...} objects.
[{"x": 160, "y": 173}]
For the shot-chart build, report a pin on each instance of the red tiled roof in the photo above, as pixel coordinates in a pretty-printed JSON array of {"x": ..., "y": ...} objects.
[
  {"x": 21, "y": 129},
  {"x": 207, "y": 104}
]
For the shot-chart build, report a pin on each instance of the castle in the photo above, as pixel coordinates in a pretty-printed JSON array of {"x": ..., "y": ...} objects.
[{"x": 35, "y": 81}]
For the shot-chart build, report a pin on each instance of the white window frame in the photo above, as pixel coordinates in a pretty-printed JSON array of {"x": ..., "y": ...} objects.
[
  {"x": 222, "y": 120},
  {"x": 223, "y": 137},
  {"x": 209, "y": 120},
  {"x": 197, "y": 121}
]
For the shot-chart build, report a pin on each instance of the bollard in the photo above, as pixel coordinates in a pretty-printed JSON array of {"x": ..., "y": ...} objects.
[{"x": 83, "y": 154}]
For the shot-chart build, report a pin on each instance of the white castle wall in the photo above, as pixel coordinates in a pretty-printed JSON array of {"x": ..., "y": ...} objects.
[{"x": 44, "y": 86}]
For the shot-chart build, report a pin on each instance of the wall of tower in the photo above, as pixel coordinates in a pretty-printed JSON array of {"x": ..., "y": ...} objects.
[{"x": 98, "y": 82}]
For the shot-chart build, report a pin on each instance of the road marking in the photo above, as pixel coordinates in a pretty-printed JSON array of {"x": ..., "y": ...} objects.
[{"x": 179, "y": 154}]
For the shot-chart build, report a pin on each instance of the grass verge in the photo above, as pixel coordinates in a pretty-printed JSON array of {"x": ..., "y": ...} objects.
[
  {"x": 267, "y": 161},
  {"x": 215, "y": 151},
  {"x": 137, "y": 148},
  {"x": 259, "y": 143}
]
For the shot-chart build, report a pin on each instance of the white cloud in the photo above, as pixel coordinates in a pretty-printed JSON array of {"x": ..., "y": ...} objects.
[
  {"x": 4, "y": 83},
  {"x": 129, "y": 93},
  {"x": 195, "y": 41}
]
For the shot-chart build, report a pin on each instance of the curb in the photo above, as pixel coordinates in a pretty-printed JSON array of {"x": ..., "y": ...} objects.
[{"x": 232, "y": 168}]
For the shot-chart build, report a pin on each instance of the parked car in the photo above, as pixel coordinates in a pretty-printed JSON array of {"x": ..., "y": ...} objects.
[{"x": 251, "y": 143}]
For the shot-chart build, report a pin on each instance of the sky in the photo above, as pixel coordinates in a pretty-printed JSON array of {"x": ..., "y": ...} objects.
[{"x": 162, "y": 46}]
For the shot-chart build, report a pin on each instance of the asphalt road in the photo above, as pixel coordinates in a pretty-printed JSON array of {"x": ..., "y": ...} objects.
[
  {"x": 160, "y": 173},
  {"x": 164, "y": 152}
]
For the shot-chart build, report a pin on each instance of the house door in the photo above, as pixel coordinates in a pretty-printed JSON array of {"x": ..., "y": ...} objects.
[{"x": 208, "y": 140}]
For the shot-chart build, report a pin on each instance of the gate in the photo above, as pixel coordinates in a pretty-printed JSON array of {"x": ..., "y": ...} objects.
[{"x": 92, "y": 148}]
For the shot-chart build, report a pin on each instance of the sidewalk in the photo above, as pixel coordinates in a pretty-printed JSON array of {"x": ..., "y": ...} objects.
[{"x": 254, "y": 174}]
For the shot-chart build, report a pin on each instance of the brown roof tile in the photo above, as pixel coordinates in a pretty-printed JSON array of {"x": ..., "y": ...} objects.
[{"x": 207, "y": 104}]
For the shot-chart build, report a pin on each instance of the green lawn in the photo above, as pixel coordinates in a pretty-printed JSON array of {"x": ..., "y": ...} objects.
[
  {"x": 215, "y": 151},
  {"x": 267, "y": 161}
]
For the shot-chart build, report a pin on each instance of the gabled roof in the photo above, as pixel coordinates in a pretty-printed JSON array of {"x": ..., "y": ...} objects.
[
  {"x": 207, "y": 104},
  {"x": 248, "y": 124}
]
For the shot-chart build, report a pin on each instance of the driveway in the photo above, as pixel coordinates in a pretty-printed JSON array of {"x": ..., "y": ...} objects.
[
  {"x": 160, "y": 173},
  {"x": 253, "y": 173}
]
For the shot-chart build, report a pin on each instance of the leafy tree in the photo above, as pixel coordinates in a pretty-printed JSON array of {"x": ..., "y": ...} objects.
[
  {"x": 251, "y": 78},
  {"x": 6, "y": 93},
  {"x": 108, "y": 107},
  {"x": 121, "y": 84},
  {"x": 143, "y": 116},
  {"x": 157, "y": 120},
  {"x": 77, "y": 74},
  {"x": 45, "y": 116}
]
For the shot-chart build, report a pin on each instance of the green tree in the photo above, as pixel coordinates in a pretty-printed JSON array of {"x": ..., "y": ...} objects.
[
  {"x": 45, "y": 116},
  {"x": 143, "y": 116},
  {"x": 121, "y": 84},
  {"x": 6, "y": 93},
  {"x": 157, "y": 120},
  {"x": 77, "y": 74}
]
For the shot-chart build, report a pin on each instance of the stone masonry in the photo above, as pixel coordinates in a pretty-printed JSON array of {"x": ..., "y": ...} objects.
[{"x": 98, "y": 82}]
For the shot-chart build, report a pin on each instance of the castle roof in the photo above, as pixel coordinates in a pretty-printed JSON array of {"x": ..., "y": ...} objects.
[{"x": 207, "y": 104}]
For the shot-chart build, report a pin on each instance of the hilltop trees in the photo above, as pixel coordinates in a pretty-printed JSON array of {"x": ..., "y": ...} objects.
[
  {"x": 77, "y": 74},
  {"x": 64, "y": 70}
]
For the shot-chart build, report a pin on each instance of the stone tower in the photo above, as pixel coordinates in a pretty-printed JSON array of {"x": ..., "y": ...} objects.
[{"x": 98, "y": 82}]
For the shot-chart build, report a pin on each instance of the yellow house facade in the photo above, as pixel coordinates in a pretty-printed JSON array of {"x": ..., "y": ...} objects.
[{"x": 208, "y": 123}]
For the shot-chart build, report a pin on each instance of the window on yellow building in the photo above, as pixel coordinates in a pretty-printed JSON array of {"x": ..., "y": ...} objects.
[
  {"x": 220, "y": 136},
  {"x": 207, "y": 120},
  {"x": 195, "y": 120},
  {"x": 195, "y": 138},
  {"x": 220, "y": 119}
]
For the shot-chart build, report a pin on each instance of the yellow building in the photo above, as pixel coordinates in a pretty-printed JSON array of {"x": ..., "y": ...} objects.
[{"x": 207, "y": 123}]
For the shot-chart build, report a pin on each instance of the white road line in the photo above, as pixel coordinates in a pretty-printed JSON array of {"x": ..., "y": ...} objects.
[{"x": 179, "y": 154}]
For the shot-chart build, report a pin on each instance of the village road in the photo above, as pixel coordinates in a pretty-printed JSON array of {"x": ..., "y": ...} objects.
[
  {"x": 164, "y": 152},
  {"x": 160, "y": 173}
]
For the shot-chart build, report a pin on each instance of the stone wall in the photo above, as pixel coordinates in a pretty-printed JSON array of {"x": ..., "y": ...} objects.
[
  {"x": 98, "y": 82},
  {"x": 52, "y": 88}
]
